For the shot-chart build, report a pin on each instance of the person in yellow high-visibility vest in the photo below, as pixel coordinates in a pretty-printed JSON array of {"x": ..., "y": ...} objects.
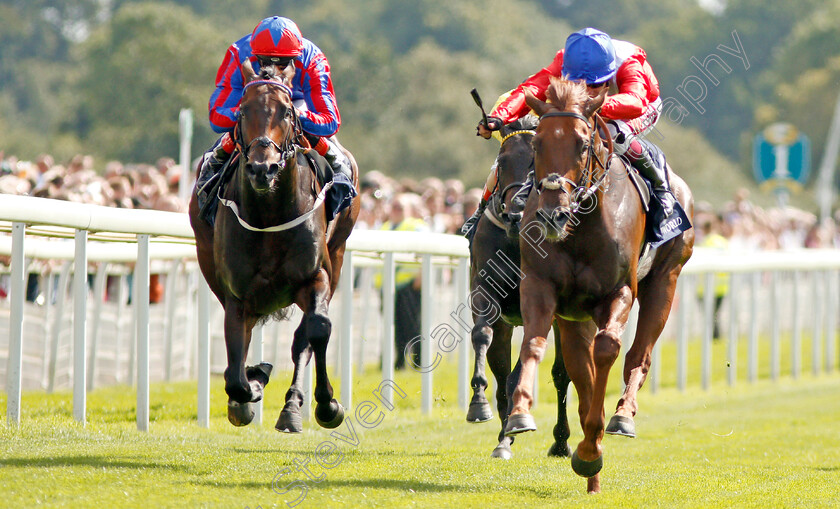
[
  {"x": 402, "y": 217},
  {"x": 713, "y": 239}
]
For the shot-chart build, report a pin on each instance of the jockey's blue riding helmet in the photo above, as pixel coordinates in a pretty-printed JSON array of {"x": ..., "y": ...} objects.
[
  {"x": 276, "y": 37},
  {"x": 590, "y": 56}
]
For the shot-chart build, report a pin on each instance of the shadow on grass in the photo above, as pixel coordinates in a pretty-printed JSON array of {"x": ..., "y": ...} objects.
[
  {"x": 91, "y": 461},
  {"x": 421, "y": 486},
  {"x": 350, "y": 452},
  {"x": 397, "y": 485},
  {"x": 827, "y": 469},
  {"x": 254, "y": 485},
  {"x": 389, "y": 484}
]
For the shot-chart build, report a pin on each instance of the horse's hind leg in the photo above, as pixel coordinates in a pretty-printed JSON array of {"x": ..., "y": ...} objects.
[
  {"x": 317, "y": 326},
  {"x": 291, "y": 420},
  {"x": 656, "y": 293}
]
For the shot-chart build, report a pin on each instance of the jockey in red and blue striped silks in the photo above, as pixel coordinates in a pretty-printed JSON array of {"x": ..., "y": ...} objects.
[
  {"x": 312, "y": 87},
  {"x": 279, "y": 43}
]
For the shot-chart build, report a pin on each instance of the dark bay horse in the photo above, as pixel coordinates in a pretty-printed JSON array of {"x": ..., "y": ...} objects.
[
  {"x": 494, "y": 287},
  {"x": 582, "y": 236},
  {"x": 272, "y": 247}
]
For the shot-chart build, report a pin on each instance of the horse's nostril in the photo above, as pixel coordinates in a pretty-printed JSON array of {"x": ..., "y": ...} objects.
[{"x": 273, "y": 169}]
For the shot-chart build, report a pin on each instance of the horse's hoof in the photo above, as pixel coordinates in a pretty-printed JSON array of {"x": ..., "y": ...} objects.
[
  {"x": 620, "y": 425},
  {"x": 479, "y": 411},
  {"x": 240, "y": 414},
  {"x": 587, "y": 468},
  {"x": 261, "y": 373},
  {"x": 519, "y": 423},
  {"x": 502, "y": 451},
  {"x": 256, "y": 391},
  {"x": 560, "y": 450},
  {"x": 290, "y": 420},
  {"x": 336, "y": 420}
]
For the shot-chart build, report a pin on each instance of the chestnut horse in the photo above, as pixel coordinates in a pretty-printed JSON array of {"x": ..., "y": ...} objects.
[
  {"x": 583, "y": 234},
  {"x": 272, "y": 247},
  {"x": 494, "y": 290}
]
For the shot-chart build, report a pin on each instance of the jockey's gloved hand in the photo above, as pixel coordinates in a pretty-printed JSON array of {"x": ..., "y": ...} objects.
[{"x": 486, "y": 129}]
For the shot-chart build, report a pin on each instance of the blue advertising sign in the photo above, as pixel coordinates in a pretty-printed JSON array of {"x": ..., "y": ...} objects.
[{"x": 781, "y": 157}]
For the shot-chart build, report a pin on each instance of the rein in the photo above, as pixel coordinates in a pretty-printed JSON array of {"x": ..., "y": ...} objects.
[{"x": 287, "y": 150}]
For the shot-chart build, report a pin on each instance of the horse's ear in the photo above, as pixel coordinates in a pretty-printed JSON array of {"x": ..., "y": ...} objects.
[
  {"x": 539, "y": 107},
  {"x": 248, "y": 73},
  {"x": 594, "y": 103}
]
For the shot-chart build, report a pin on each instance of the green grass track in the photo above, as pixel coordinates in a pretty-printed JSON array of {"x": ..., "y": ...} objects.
[{"x": 768, "y": 444}]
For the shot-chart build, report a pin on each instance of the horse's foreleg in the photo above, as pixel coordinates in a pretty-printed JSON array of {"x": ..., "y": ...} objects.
[
  {"x": 538, "y": 302},
  {"x": 291, "y": 419},
  {"x": 610, "y": 318},
  {"x": 656, "y": 293},
  {"x": 482, "y": 337},
  {"x": 314, "y": 301},
  {"x": 479, "y": 409},
  {"x": 241, "y": 392},
  {"x": 498, "y": 358}
]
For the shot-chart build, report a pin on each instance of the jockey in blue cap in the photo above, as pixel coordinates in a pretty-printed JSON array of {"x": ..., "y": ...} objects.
[
  {"x": 277, "y": 41},
  {"x": 592, "y": 56}
]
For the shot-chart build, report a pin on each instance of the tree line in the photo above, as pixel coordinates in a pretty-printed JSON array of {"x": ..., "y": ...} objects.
[{"x": 108, "y": 78}]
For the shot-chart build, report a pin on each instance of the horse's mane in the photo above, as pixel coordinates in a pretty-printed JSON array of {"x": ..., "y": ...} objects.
[{"x": 565, "y": 95}]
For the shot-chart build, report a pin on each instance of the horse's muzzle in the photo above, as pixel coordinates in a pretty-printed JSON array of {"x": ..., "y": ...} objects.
[
  {"x": 555, "y": 222},
  {"x": 262, "y": 175}
]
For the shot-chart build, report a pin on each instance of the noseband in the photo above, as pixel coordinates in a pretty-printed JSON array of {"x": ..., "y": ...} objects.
[
  {"x": 287, "y": 149},
  {"x": 555, "y": 181}
]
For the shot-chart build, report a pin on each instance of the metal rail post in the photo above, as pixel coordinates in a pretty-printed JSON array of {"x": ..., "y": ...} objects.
[{"x": 14, "y": 368}]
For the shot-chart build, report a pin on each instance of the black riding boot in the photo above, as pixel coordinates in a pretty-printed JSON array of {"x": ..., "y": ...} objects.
[
  {"x": 214, "y": 160},
  {"x": 469, "y": 224},
  {"x": 651, "y": 165},
  {"x": 339, "y": 162},
  {"x": 343, "y": 191}
]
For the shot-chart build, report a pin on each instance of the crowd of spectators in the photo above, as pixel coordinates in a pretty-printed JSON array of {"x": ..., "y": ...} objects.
[
  {"x": 140, "y": 186},
  {"x": 748, "y": 227},
  {"x": 387, "y": 203},
  {"x": 443, "y": 205}
]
